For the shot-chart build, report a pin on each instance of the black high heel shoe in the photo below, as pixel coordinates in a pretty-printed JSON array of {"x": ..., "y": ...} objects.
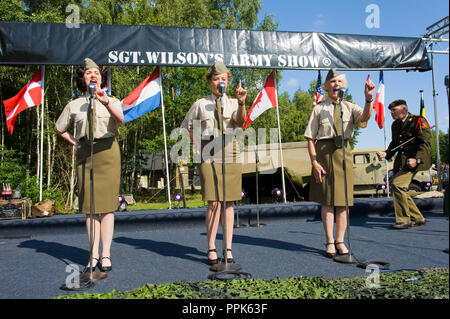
[
  {"x": 88, "y": 268},
  {"x": 340, "y": 253},
  {"x": 229, "y": 260},
  {"x": 105, "y": 268},
  {"x": 330, "y": 255},
  {"x": 212, "y": 262}
]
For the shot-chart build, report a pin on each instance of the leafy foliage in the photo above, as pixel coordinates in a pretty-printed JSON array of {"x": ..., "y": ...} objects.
[{"x": 393, "y": 285}]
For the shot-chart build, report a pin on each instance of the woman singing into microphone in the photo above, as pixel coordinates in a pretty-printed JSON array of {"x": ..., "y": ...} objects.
[
  {"x": 108, "y": 118},
  {"x": 324, "y": 135},
  {"x": 205, "y": 114}
]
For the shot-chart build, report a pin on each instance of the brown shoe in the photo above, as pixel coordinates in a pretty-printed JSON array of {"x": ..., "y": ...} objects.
[
  {"x": 402, "y": 225},
  {"x": 421, "y": 223}
]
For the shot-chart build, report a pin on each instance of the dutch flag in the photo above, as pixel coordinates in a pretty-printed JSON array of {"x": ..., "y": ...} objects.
[{"x": 145, "y": 98}]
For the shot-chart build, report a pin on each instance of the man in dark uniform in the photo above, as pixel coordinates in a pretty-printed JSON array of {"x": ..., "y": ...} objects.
[{"x": 413, "y": 156}]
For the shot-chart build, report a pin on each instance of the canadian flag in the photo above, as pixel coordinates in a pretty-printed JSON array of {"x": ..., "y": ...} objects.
[
  {"x": 266, "y": 99},
  {"x": 378, "y": 105},
  {"x": 30, "y": 95}
]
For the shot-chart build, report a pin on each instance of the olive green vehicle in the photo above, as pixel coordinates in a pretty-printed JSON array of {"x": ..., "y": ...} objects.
[{"x": 369, "y": 172}]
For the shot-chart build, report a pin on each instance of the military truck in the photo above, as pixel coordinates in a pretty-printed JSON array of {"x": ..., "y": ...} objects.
[{"x": 370, "y": 178}]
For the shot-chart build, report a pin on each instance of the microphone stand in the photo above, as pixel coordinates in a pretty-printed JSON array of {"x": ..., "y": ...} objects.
[
  {"x": 225, "y": 266},
  {"x": 348, "y": 258},
  {"x": 97, "y": 275},
  {"x": 258, "y": 224}
]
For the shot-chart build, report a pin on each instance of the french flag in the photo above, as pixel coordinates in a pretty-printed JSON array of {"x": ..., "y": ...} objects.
[
  {"x": 378, "y": 105},
  {"x": 145, "y": 98}
]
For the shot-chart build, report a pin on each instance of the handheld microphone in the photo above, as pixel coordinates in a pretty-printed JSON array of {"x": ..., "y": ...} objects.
[
  {"x": 341, "y": 94},
  {"x": 92, "y": 87},
  {"x": 222, "y": 87}
]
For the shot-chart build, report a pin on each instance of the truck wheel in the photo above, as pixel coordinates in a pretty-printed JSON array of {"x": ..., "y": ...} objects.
[{"x": 415, "y": 187}]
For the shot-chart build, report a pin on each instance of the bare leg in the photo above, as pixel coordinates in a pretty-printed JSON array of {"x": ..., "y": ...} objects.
[
  {"x": 229, "y": 215},
  {"x": 341, "y": 226},
  {"x": 107, "y": 231},
  {"x": 212, "y": 224},
  {"x": 96, "y": 235},
  {"x": 327, "y": 213}
]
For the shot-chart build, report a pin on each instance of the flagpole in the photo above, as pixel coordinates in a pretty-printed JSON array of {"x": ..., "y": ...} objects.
[
  {"x": 165, "y": 141},
  {"x": 279, "y": 140},
  {"x": 386, "y": 162},
  {"x": 42, "y": 133}
]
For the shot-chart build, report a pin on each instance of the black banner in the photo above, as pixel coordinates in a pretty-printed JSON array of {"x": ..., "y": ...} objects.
[{"x": 61, "y": 44}]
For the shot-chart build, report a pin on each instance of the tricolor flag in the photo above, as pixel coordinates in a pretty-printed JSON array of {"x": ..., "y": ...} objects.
[
  {"x": 30, "y": 95},
  {"x": 319, "y": 96},
  {"x": 145, "y": 98},
  {"x": 266, "y": 99},
  {"x": 422, "y": 105},
  {"x": 378, "y": 105},
  {"x": 106, "y": 74}
]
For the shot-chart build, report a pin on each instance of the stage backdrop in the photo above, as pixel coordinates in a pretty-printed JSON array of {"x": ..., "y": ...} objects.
[{"x": 55, "y": 43}]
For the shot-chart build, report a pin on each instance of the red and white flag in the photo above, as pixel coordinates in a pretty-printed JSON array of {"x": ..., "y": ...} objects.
[
  {"x": 266, "y": 99},
  {"x": 30, "y": 95},
  {"x": 378, "y": 105}
]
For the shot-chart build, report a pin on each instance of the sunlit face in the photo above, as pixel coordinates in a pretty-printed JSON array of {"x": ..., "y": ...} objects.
[
  {"x": 215, "y": 80},
  {"x": 93, "y": 75},
  {"x": 399, "y": 112},
  {"x": 332, "y": 86}
]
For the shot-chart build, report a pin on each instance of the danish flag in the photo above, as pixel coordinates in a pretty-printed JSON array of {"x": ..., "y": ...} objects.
[{"x": 30, "y": 95}]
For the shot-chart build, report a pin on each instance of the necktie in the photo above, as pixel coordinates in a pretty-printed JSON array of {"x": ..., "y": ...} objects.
[
  {"x": 218, "y": 116},
  {"x": 337, "y": 119}
]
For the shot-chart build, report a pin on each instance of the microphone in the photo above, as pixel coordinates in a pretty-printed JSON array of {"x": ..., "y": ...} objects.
[
  {"x": 341, "y": 94},
  {"x": 222, "y": 87},
  {"x": 92, "y": 87}
]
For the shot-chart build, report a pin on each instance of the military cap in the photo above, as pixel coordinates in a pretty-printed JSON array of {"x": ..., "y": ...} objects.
[
  {"x": 397, "y": 103},
  {"x": 332, "y": 74},
  {"x": 89, "y": 63},
  {"x": 217, "y": 68}
]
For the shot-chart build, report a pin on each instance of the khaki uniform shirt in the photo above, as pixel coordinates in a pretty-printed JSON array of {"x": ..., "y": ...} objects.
[
  {"x": 75, "y": 112},
  {"x": 203, "y": 110},
  {"x": 202, "y": 116},
  {"x": 321, "y": 125}
]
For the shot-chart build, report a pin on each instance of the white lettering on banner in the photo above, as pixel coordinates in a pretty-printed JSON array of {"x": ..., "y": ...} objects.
[
  {"x": 302, "y": 61},
  {"x": 207, "y": 59}
]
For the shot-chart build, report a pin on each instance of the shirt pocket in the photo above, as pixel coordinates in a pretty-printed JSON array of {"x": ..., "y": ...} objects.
[
  {"x": 326, "y": 129},
  {"x": 80, "y": 121},
  {"x": 207, "y": 119}
]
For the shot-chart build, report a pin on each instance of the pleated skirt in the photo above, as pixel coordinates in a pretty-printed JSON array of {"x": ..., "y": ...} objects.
[
  {"x": 106, "y": 175},
  {"x": 331, "y": 191}
]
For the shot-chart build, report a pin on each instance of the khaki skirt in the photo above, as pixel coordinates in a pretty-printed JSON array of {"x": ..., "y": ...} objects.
[
  {"x": 106, "y": 175},
  {"x": 212, "y": 181},
  {"x": 331, "y": 191}
]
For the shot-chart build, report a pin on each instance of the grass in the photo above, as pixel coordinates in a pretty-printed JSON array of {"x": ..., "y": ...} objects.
[{"x": 392, "y": 285}]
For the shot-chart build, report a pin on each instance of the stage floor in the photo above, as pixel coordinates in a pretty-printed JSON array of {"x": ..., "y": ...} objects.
[{"x": 35, "y": 264}]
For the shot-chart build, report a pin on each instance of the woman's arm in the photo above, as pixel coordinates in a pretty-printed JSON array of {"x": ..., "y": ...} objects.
[{"x": 317, "y": 169}]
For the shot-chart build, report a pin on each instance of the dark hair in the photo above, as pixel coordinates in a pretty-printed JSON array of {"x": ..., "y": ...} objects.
[{"x": 79, "y": 79}]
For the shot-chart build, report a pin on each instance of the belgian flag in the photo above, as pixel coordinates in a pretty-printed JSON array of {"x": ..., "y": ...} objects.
[{"x": 422, "y": 105}]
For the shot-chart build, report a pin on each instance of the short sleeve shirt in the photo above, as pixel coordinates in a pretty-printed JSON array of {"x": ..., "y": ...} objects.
[
  {"x": 203, "y": 110},
  {"x": 75, "y": 112},
  {"x": 321, "y": 123}
]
